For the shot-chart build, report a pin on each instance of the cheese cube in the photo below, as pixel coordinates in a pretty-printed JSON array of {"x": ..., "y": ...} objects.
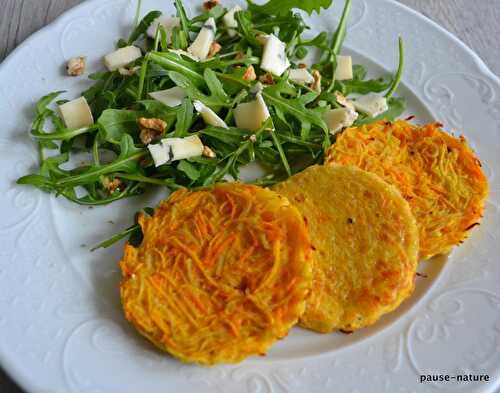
[
  {"x": 122, "y": 57},
  {"x": 371, "y": 105},
  {"x": 344, "y": 68},
  {"x": 230, "y": 21},
  {"x": 208, "y": 115},
  {"x": 251, "y": 115},
  {"x": 339, "y": 118},
  {"x": 170, "y": 97},
  {"x": 201, "y": 45},
  {"x": 76, "y": 113},
  {"x": 274, "y": 58},
  {"x": 301, "y": 75}
]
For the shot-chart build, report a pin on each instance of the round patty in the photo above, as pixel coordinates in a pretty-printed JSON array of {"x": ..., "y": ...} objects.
[
  {"x": 365, "y": 245},
  {"x": 221, "y": 274},
  {"x": 438, "y": 174}
]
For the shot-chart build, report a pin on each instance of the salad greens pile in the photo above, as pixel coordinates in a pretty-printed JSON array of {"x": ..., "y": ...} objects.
[{"x": 292, "y": 138}]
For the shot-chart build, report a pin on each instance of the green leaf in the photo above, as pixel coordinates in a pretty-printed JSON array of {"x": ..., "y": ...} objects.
[
  {"x": 282, "y": 7},
  {"x": 294, "y": 106},
  {"x": 142, "y": 27},
  {"x": 37, "y": 181},
  {"x": 42, "y": 104},
  {"x": 185, "y": 118},
  {"x": 189, "y": 170},
  {"x": 215, "y": 86},
  {"x": 173, "y": 62},
  {"x": 195, "y": 94},
  {"x": 115, "y": 123},
  {"x": 127, "y": 162},
  {"x": 181, "y": 13}
]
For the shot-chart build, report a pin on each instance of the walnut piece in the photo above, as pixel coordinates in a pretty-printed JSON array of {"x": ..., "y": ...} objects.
[
  {"x": 76, "y": 66},
  {"x": 207, "y": 152},
  {"x": 342, "y": 100},
  {"x": 249, "y": 74},
  {"x": 316, "y": 85},
  {"x": 208, "y": 5},
  {"x": 112, "y": 185},
  {"x": 214, "y": 49},
  {"x": 151, "y": 129},
  {"x": 267, "y": 78}
]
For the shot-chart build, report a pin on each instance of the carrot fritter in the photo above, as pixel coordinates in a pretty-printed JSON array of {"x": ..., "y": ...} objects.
[
  {"x": 438, "y": 174},
  {"x": 221, "y": 273},
  {"x": 365, "y": 243}
]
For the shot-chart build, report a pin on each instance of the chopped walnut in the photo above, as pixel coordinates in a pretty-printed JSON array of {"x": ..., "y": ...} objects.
[
  {"x": 342, "y": 100},
  {"x": 214, "y": 49},
  {"x": 302, "y": 65},
  {"x": 112, "y": 185},
  {"x": 253, "y": 138},
  {"x": 207, "y": 152},
  {"x": 208, "y": 5},
  {"x": 249, "y": 74},
  {"x": 151, "y": 129},
  {"x": 76, "y": 66},
  {"x": 316, "y": 85},
  {"x": 267, "y": 78}
]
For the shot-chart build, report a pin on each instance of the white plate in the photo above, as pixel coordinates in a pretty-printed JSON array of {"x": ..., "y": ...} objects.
[{"x": 61, "y": 327}]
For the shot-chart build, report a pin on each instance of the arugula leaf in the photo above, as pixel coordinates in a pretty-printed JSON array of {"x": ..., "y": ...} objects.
[
  {"x": 142, "y": 27},
  {"x": 185, "y": 116},
  {"x": 115, "y": 123},
  {"x": 174, "y": 62},
  {"x": 189, "y": 170},
  {"x": 296, "y": 107},
  {"x": 282, "y": 7},
  {"x": 185, "y": 23}
]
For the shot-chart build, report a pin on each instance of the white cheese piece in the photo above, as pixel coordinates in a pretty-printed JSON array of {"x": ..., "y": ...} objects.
[
  {"x": 201, "y": 45},
  {"x": 251, "y": 115},
  {"x": 159, "y": 153},
  {"x": 209, "y": 116},
  {"x": 371, "y": 105},
  {"x": 182, "y": 148},
  {"x": 170, "y": 97},
  {"x": 301, "y": 75},
  {"x": 168, "y": 23},
  {"x": 344, "y": 68},
  {"x": 337, "y": 119},
  {"x": 122, "y": 57},
  {"x": 175, "y": 149},
  {"x": 76, "y": 113},
  {"x": 230, "y": 21},
  {"x": 181, "y": 53},
  {"x": 274, "y": 58}
]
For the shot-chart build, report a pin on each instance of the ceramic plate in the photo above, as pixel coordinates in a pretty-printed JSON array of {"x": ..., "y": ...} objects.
[{"x": 61, "y": 326}]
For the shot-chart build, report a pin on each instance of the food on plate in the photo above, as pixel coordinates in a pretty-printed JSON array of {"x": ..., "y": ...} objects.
[
  {"x": 365, "y": 243},
  {"x": 234, "y": 82},
  {"x": 220, "y": 274},
  {"x": 438, "y": 174}
]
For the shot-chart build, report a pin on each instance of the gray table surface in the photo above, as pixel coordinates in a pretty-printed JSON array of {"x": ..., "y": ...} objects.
[{"x": 475, "y": 23}]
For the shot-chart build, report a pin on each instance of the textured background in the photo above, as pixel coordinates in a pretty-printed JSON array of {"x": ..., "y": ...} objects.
[{"x": 475, "y": 23}]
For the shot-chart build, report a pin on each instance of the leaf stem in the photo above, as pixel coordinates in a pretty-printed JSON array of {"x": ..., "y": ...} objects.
[{"x": 399, "y": 72}]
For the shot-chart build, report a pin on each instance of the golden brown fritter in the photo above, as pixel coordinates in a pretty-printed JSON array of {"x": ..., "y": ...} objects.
[
  {"x": 221, "y": 274},
  {"x": 365, "y": 244},
  {"x": 438, "y": 174}
]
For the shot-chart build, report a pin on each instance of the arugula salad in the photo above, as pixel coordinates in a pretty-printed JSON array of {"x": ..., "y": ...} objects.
[{"x": 187, "y": 101}]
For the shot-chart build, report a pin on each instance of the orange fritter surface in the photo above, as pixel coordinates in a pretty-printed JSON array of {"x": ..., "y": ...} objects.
[
  {"x": 438, "y": 174},
  {"x": 220, "y": 275}
]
